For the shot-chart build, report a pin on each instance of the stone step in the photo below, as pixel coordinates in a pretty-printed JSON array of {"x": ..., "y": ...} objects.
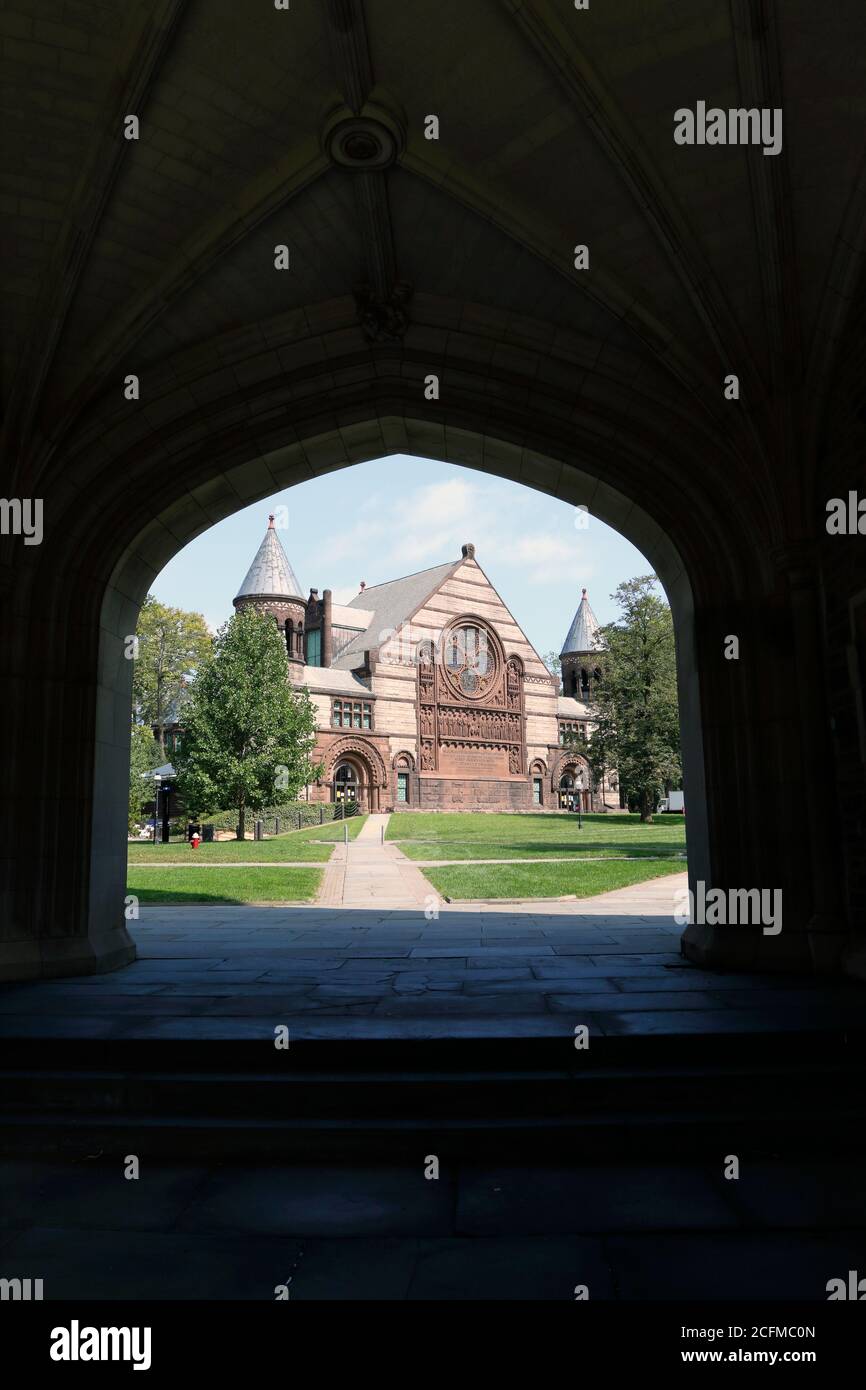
[
  {"x": 307, "y": 1094},
  {"x": 663, "y": 1095},
  {"x": 615, "y": 1136}
]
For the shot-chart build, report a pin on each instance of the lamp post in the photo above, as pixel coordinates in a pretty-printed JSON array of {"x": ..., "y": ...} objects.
[
  {"x": 578, "y": 785},
  {"x": 157, "y": 779}
]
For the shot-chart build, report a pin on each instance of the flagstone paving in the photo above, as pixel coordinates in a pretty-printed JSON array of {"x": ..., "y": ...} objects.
[
  {"x": 640, "y": 1230},
  {"x": 367, "y": 968}
]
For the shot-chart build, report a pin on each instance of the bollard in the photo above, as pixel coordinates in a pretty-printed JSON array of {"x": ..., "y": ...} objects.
[
  {"x": 382, "y": 834},
  {"x": 345, "y": 835}
]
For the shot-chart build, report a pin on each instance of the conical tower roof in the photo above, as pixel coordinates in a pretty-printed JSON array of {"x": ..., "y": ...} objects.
[
  {"x": 583, "y": 633},
  {"x": 270, "y": 575}
]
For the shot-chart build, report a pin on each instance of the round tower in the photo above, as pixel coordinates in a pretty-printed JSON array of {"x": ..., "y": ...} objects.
[
  {"x": 271, "y": 586},
  {"x": 581, "y": 653}
]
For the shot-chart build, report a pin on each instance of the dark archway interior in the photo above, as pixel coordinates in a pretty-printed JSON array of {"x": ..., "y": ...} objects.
[
  {"x": 432, "y": 302},
  {"x": 246, "y": 245}
]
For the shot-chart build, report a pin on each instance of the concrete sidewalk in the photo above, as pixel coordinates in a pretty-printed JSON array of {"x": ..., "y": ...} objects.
[{"x": 371, "y": 873}]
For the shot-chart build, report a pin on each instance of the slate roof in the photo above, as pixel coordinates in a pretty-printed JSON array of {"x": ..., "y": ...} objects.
[
  {"x": 583, "y": 633},
  {"x": 567, "y": 707},
  {"x": 270, "y": 575},
  {"x": 390, "y": 604},
  {"x": 331, "y": 680}
]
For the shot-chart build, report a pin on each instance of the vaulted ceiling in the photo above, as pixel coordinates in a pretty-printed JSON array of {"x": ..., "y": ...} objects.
[{"x": 555, "y": 128}]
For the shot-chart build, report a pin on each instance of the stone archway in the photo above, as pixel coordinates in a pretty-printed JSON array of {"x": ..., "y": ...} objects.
[
  {"x": 149, "y": 489},
  {"x": 571, "y": 782},
  {"x": 150, "y": 265},
  {"x": 371, "y": 778}
]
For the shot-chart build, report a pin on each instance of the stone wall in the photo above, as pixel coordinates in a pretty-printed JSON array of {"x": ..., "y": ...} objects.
[{"x": 465, "y": 794}]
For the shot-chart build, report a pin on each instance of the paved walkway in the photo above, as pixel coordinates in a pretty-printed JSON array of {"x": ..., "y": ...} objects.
[
  {"x": 370, "y": 970},
  {"x": 370, "y": 872}
]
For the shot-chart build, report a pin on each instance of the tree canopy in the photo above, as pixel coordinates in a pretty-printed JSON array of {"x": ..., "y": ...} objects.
[
  {"x": 635, "y": 710},
  {"x": 172, "y": 644},
  {"x": 248, "y": 734},
  {"x": 145, "y": 756}
]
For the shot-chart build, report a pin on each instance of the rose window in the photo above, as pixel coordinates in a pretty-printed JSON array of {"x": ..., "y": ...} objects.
[{"x": 470, "y": 660}]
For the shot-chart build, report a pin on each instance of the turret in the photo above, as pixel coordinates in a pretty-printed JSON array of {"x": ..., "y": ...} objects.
[
  {"x": 580, "y": 655},
  {"x": 271, "y": 587}
]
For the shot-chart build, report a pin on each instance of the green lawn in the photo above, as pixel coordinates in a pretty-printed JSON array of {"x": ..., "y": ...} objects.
[
  {"x": 294, "y": 844},
  {"x": 230, "y": 885},
  {"x": 534, "y": 836},
  {"x": 331, "y": 830},
  {"x": 459, "y": 881}
]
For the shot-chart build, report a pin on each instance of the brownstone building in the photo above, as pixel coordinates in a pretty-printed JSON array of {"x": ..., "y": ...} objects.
[{"x": 428, "y": 694}]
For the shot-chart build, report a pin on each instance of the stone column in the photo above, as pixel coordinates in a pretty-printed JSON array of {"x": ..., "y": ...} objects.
[
  {"x": 63, "y": 795},
  {"x": 756, "y": 730},
  {"x": 827, "y": 927}
]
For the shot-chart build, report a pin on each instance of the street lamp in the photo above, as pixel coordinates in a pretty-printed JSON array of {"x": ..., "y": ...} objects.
[
  {"x": 156, "y": 783},
  {"x": 578, "y": 786}
]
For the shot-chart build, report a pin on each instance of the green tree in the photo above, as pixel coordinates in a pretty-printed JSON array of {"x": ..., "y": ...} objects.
[
  {"x": 171, "y": 646},
  {"x": 553, "y": 663},
  {"x": 635, "y": 710},
  {"x": 248, "y": 733},
  {"x": 144, "y": 756}
]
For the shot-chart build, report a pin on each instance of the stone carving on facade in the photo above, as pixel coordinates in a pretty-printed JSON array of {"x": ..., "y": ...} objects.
[
  {"x": 471, "y": 699},
  {"x": 365, "y": 752}
]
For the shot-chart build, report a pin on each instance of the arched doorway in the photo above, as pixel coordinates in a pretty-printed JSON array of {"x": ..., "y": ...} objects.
[
  {"x": 116, "y": 617},
  {"x": 574, "y": 793},
  {"x": 356, "y": 775},
  {"x": 346, "y": 785},
  {"x": 600, "y": 387},
  {"x": 126, "y": 546}
]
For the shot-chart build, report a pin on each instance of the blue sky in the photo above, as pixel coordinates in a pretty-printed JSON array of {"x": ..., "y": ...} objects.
[{"x": 380, "y": 520}]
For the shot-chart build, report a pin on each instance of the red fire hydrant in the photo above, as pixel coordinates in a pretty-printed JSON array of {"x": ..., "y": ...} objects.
[{"x": 195, "y": 840}]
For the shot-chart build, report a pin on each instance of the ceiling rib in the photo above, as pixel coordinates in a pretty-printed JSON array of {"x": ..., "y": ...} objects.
[
  {"x": 756, "y": 42},
  {"x": 564, "y": 60},
  {"x": 547, "y": 245},
  {"x": 347, "y": 27},
  {"x": 264, "y": 195},
  {"x": 146, "y": 47}
]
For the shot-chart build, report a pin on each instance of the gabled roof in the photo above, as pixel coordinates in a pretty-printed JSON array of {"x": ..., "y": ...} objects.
[
  {"x": 583, "y": 633},
  {"x": 390, "y": 605},
  {"x": 270, "y": 575}
]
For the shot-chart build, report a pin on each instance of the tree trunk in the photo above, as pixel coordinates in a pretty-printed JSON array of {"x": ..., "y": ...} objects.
[
  {"x": 646, "y": 814},
  {"x": 239, "y": 833}
]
